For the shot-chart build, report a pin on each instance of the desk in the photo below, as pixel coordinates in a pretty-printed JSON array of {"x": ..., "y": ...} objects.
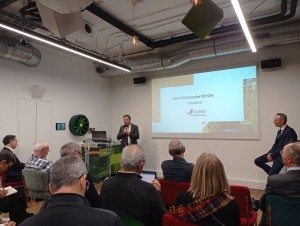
[{"x": 102, "y": 161}]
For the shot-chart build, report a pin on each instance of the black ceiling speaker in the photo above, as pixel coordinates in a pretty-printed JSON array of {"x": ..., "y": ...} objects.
[
  {"x": 139, "y": 80},
  {"x": 202, "y": 19},
  {"x": 271, "y": 63}
]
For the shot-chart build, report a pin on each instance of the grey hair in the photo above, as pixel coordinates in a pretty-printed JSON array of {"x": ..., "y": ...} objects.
[
  {"x": 70, "y": 149},
  {"x": 293, "y": 150},
  {"x": 40, "y": 145},
  {"x": 176, "y": 147},
  {"x": 66, "y": 172},
  {"x": 132, "y": 156}
]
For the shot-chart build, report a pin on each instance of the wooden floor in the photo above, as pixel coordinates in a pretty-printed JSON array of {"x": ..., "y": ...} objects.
[{"x": 34, "y": 207}]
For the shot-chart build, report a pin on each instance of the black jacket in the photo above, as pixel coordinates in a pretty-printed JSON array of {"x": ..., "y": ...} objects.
[
  {"x": 14, "y": 173},
  {"x": 71, "y": 209}
]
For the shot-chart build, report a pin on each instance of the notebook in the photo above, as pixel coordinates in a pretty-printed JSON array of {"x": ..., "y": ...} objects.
[
  {"x": 148, "y": 176},
  {"x": 99, "y": 136}
]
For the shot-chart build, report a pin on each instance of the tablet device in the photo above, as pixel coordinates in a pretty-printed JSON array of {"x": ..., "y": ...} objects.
[{"x": 148, "y": 176}]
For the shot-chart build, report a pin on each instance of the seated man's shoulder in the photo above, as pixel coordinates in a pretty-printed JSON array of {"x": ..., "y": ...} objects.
[{"x": 103, "y": 212}]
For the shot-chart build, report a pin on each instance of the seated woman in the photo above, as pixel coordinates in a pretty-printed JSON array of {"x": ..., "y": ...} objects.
[{"x": 207, "y": 201}]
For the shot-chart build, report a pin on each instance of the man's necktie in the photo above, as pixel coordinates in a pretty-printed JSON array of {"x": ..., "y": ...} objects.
[{"x": 279, "y": 133}]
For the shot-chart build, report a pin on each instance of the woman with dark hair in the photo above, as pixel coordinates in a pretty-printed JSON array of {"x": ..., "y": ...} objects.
[{"x": 208, "y": 200}]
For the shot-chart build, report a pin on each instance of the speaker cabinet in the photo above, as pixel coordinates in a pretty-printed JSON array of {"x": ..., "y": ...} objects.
[
  {"x": 202, "y": 19},
  {"x": 271, "y": 63},
  {"x": 139, "y": 80}
]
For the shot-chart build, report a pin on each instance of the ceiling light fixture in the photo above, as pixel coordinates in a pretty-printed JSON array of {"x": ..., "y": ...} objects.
[
  {"x": 7, "y": 26},
  {"x": 196, "y": 2},
  {"x": 240, "y": 15},
  {"x": 134, "y": 38}
]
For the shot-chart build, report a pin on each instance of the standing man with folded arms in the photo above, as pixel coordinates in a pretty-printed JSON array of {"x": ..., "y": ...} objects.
[{"x": 128, "y": 133}]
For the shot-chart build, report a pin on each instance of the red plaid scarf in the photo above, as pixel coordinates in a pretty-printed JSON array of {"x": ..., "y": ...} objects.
[{"x": 200, "y": 209}]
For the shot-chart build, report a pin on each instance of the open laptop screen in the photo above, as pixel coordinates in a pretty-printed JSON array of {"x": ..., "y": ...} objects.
[
  {"x": 98, "y": 135},
  {"x": 148, "y": 176}
]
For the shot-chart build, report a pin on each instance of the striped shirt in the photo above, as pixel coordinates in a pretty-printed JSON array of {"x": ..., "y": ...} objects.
[{"x": 38, "y": 163}]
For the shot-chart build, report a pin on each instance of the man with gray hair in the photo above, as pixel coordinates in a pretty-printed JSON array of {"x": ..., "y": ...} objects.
[
  {"x": 178, "y": 169},
  {"x": 91, "y": 194},
  {"x": 67, "y": 206},
  {"x": 127, "y": 195},
  {"x": 287, "y": 184},
  {"x": 38, "y": 160},
  {"x": 71, "y": 148}
]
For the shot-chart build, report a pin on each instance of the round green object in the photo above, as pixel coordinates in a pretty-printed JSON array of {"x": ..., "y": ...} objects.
[{"x": 79, "y": 125}]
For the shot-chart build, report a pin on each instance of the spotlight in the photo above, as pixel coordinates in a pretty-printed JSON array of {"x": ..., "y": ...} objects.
[
  {"x": 23, "y": 42},
  {"x": 134, "y": 40},
  {"x": 88, "y": 28},
  {"x": 196, "y": 2}
]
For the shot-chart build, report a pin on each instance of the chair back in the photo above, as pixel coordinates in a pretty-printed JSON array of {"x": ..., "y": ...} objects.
[
  {"x": 36, "y": 183},
  {"x": 170, "y": 220},
  {"x": 129, "y": 221},
  {"x": 282, "y": 211},
  {"x": 170, "y": 190},
  {"x": 6, "y": 183},
  {"x": 243, "y": 198}
]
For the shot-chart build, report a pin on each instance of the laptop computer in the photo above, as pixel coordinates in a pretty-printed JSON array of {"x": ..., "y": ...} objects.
[
  {"x": 148, "y": 176},
  {"x": 99, "y": 136}
]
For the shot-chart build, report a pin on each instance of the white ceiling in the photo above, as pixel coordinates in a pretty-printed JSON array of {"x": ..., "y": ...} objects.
[{"x": 155, "y": 19}]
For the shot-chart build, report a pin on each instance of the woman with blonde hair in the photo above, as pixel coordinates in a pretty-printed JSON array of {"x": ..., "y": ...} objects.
[{"x": 207, "y": 201}]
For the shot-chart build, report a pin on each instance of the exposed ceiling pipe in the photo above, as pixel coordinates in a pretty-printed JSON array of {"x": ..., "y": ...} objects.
[
  {"x": 281, "y": 16},
  {"x": 21, "y": 52},
  {"x": 211, "y": 48}
]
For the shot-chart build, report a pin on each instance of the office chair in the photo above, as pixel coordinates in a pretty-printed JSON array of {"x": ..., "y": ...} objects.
[
  {"x": 242, "y": 196},
  {"x": 130, "y": 221},
  {"x": 170, "y": 190},
  {"x": 6, "y": 183},
  {"x": 282, "y": 211},
  {"x": 36, "y": 183}
]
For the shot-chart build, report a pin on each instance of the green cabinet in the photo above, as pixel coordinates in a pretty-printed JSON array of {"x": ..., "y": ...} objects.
[{"x": 102, "y": 162}]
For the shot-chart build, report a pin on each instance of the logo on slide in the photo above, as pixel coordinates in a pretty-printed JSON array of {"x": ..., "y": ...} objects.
[{"x": 193, "y": 112}]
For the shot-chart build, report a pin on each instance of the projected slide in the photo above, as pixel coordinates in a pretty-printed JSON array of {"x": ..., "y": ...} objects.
[{"x": 217, "y": 104}]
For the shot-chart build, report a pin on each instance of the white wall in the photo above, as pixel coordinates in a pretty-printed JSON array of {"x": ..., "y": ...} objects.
[
  {"x": 73, "y": 86},
  {"x": 278, "y": 92}
]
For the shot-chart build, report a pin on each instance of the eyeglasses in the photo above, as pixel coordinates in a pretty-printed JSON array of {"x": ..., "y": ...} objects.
[
  {"x": 87, "y": 183},
  {"x": 282, "y": 153}
]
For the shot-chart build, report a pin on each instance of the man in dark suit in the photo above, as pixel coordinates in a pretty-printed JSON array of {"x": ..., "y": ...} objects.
[
  {"x": 14, "y": 173},
  {"x": 128, "y": 133},
  {"x": 285, "y": 135},
  {"x": 178, "y": 169},
  {"x": 288, "y": 184}
]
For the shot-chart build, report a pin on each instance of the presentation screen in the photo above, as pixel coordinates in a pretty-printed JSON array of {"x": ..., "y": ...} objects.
[{"x": 218, "y": 104}]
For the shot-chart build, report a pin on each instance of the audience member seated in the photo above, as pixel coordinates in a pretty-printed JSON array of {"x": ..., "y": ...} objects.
[
  {"x": 14, "y": 173},
  {"x": 14, "y": 204},
  {"x": 127, "y": 195},
  {"x": 285, "y": 135},
  {"x": 91, "y": 194},
  {"x": 207, "y": 201},
  {"x": 287, "y": 184},
  {"x": 178, "y": 169},
  {"x": 38, "y": 159},
  {"x": 67, "y": 206}
]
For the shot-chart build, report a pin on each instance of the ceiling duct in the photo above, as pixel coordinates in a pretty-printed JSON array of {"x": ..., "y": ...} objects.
[
  {"x": 210, "y": 48},
  {"x": 19, "y": 51},
  {"x": 66, "y": 6}
]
